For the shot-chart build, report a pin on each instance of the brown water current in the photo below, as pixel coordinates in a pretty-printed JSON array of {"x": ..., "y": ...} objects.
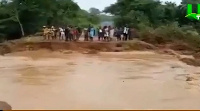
[{"x": 133, "y": 80}]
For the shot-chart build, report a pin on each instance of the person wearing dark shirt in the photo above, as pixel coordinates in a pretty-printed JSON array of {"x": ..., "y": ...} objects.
[
  {"x": 55, "y": 33},
  {"x": 86, "y": 36},
  {"x": 118, "y": 34},
  {"x": 89, "y": 28},
  {"x": 100, "y": 34},
  {"x": 105, "y": 32},
  {"x": 67, "y": 33}
]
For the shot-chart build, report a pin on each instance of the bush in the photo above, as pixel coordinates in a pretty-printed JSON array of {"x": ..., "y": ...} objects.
[{"x": 171, "y": 34}]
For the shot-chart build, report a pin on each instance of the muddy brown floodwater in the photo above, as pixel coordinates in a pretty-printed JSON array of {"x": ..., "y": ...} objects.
[{"x": 135, "y": 80}]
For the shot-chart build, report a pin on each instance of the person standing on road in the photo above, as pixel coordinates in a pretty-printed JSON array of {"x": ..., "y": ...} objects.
[
  {"x": 75, "y": 33},
  {"x": 112, "y": 31},
  {"x": 45, "y": 32},
  {"x": 86, "y": 34},
  {"x": 106, "y": 35},
  {"x": 79, "y": 30},
  {"x": 100, "y": 34},
  {"x": 67, "y": 30},
  {"x": 62, "y": 33},
  {"x": 53, "y": 37},
  {"x": 125, "y": 33},
  {"x": 89, "y": 27},
  {"x": 92, "y": 33},
  {"x": 71, "y": 32},
  {"x": 49, "y": 33},
  {"x": 109, "y": 33},
  {"x": 119, "y": 34},
  {"x": 56, "y": 31}
]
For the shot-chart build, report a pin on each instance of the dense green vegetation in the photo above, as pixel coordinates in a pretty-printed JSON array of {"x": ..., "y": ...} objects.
[
  {"x": 23, "y": 17},
  {"x": 157, "y": 22},
  {"x": 150, "y": 12}
]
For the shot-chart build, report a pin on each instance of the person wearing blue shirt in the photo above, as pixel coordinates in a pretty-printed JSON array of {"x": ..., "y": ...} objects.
[{"x": 92, "y": 33}]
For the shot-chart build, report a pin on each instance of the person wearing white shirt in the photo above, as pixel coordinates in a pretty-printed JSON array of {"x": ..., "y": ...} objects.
[
  {"x": 125, "y": 33},
  {"x": 106, "y": 34},
  {"x": 112, "y": 31},
  {"x": 62, "y": 33}
]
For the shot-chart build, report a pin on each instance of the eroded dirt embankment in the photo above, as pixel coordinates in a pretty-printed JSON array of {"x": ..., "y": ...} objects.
[
  {"x": 177, "y": 50},
  {"x": 10, "y": 47}
]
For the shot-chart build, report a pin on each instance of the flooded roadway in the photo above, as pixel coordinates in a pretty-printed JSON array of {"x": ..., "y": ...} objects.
[{"x": 137, "y": 80}]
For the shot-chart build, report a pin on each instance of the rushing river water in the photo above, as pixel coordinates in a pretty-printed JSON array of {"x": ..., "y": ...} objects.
[{"x": 137, "y": 80}]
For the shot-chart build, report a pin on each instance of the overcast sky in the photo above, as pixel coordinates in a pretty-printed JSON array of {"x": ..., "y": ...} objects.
[{"x": 101, "y": 4}]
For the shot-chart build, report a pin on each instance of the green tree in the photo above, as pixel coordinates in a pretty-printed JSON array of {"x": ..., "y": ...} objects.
[
  {"x": 23, "y": 17},
  {"x": 134, "y": 12}
]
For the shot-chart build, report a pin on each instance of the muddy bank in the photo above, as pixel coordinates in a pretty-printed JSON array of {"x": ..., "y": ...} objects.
[
  {"x": 10, "y": 47},
  {"x": 95, "y": 47},
  {"x": 15, "y": 46}
]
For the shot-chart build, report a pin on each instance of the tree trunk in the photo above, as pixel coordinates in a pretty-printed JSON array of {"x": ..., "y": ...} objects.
[
  {"x": 21, "y": 28},
  {"x": 20, "y": 24}
]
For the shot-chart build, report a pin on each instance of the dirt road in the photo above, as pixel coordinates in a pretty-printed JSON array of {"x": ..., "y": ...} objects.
[{"x": 135, "y": 80}]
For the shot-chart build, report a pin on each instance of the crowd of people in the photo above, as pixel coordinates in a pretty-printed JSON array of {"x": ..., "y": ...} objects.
[{"x": 106, "y": 33}]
